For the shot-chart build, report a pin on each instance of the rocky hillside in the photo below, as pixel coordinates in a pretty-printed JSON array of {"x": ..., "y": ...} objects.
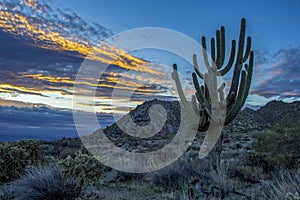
[
  {"x": 278, "y": 112},
  {"x": 237, "y": 133},
  {"x": 272, "y": 113}
]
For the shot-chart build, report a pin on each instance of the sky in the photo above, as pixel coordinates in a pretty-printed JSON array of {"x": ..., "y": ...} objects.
[{"x": 43, "y": 44}]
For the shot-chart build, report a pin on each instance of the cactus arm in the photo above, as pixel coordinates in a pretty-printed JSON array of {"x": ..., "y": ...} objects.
[
  {"x": 206, "y": 93},
  {"x": 221, "y": 93},
  {"x": 249, "y": 69},
  {"x": 203, "y": 90},
  {"x": 195, "y": 106},
  {"x": 200, "y": 96},
  {"x": 241, "y": 41},
  {"x": 211, "y": 81},
  {"x": 239, "y": 58},
  {"x": 235, "y": 108},
  {"x": 213, "y": 52},
  {"x": 204, "y": 52},
  {"x": 184, "y": 101},
  {"x": 226, "y": 69},
  {"x": 204, "y": 122},
  {"x": 196, "y": 67},
  {"x": 223, "y": 47},
  {"x": 248, "y": 48},
  {"x": 243, "y": 91},
  {"x": 218, "y": 37}
]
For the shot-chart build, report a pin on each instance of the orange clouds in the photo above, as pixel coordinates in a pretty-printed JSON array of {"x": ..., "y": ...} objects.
[
  {"x": 121, "y": 83},
  {"x": 18, "y": 24}
]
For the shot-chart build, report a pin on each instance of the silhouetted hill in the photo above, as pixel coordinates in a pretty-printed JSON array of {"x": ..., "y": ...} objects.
[
  {"x": 272, "y": 113},
  {"x": 247, "y": 122},
  {"x": 277, "y": 112}
]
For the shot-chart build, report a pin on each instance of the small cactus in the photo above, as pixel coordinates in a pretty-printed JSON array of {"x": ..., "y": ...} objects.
[
  {"x": 83, "y": 166},
  {"x": 15, "y": 156}
]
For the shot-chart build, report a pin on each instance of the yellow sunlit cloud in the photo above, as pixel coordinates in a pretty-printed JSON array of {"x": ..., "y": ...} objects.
[
  {"x": 31, "y": 3},
  {"x": 128, "y": 85},
  {"x": 44, "y": 36},
  {"x": 18, "y": 24}
]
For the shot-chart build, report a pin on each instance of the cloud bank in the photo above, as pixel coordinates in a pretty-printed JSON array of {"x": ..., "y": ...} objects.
[
  {"x": 39, "y": 122},
  {"x": 277, "y": 75}
]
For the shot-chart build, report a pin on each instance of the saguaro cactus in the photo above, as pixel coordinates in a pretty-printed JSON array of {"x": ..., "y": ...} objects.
[{"x": 209, "y": 94}]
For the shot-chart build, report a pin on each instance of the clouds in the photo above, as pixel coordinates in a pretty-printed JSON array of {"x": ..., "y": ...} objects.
[
  {"x": 35, "y": 19},
  {"x": 31, "y": 122},
  {"x": 277, "y": 75},
  {"x": 39, "y": 122},
  {"x": 38, "y": 75},
  {"x": 49, "y": 27},
  {"x": 42, "y": 48}
]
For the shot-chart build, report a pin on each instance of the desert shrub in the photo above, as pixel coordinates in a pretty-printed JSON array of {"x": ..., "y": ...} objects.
[
  {"x": 290, "y": 196},
  {"x": 126, "y": 176},
  {"x": 68, "y": 152},
  {"x": 8, "y": 192},
  {"x": 91, "y": 193},
  {"x": 33, "y": 148},
  {"x": 218, "y": 184},
  {"x": 252, "y": 174},
  {"x": 175, "y": 176},
  {"x": 215, "y": 177},
  {"x": 286, "y": 185},
  {"x": 46, "y": 183},
  {"x": 12, "y": 161},
  {"x": 278, "y": 148},
  {"x": 55, "y": 148},
  {"x": 83, "y": 166},
  {"x": 15, "y": 156}
]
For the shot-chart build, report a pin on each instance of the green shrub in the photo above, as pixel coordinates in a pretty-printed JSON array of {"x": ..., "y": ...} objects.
[
  {"x": 33, "y": 147},
  {"x": 68, "y": 152},
  {"x": 126, "y": 176},
  {"x": 278, "y": 148},
  {"x": 252, "y": 174},
  {"x": 15, "y": 156}
]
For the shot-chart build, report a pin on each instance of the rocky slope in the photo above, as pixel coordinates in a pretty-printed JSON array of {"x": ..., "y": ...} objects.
[{"x": 237, "y": 134}]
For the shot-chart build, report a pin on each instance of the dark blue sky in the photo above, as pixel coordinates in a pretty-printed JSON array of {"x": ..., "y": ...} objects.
[{"x": 272, "y": 24}]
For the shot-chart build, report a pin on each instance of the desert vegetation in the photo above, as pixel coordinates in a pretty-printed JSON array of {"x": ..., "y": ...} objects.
[{"x": 251, "y": 161}]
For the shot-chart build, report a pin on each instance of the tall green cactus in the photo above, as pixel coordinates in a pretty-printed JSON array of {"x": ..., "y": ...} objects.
[{"x": 208, "y": 94}]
